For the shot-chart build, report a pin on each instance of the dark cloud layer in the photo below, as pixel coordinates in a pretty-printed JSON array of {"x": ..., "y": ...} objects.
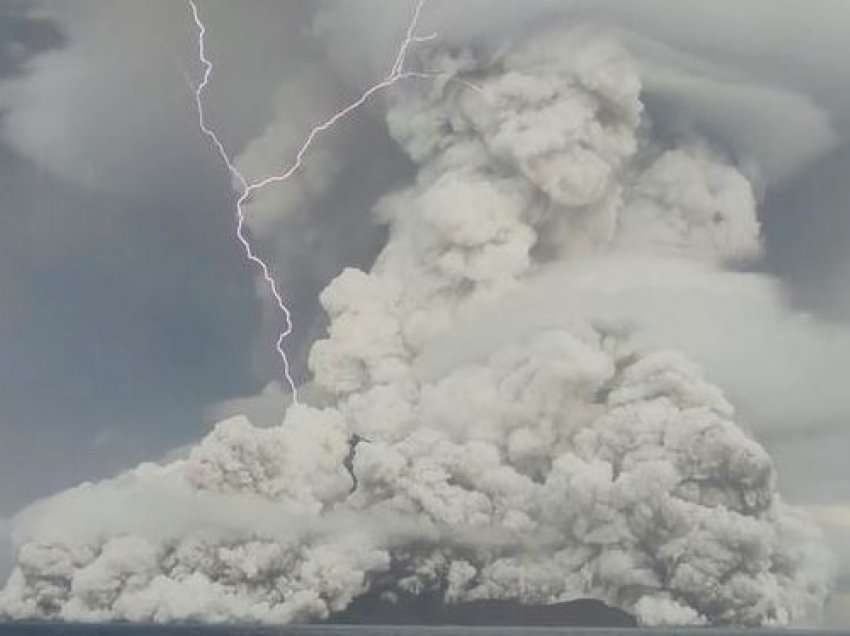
[
  {"x": 22, "y": 35},
  {"x": 808, "y": 235}
]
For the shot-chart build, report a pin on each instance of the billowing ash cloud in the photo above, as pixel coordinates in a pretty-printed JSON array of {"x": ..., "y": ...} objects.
[{"x": 566, "y": 459}]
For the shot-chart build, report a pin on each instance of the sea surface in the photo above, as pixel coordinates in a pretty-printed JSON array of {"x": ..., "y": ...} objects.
[{"x": 60, "y": 629}]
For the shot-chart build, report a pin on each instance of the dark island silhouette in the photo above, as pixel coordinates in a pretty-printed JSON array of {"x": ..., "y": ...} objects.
[{"x": 430, "y": 609}]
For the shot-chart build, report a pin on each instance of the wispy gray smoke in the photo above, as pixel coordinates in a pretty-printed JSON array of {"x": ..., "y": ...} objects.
[{"x": 568, "y": 458}]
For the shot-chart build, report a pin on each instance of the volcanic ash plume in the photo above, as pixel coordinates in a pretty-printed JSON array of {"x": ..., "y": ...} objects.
[{"x": 550, "y": 464}]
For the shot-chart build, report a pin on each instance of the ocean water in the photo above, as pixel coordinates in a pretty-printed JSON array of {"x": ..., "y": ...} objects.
[{"x": 59, "y": 629}]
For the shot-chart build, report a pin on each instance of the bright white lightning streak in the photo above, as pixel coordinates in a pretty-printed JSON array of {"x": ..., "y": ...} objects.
[{"x": 396, "y": 73}]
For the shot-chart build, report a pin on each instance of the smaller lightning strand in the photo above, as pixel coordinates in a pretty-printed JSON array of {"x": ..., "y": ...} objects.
[{"x": 396, "y": 73}]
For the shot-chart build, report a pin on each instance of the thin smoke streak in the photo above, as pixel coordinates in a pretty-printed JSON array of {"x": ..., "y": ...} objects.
[{"x": 396, "y": 73}]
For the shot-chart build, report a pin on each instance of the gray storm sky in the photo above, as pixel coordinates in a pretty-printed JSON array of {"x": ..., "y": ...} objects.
[
  {"x": 127, "y": 311},
  {"x": 128, "y": 308},
  {"x": 118, "y": 309}
]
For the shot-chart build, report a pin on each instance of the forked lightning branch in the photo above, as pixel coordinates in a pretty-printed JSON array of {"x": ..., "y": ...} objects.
[{"x": 247, "y": 188}]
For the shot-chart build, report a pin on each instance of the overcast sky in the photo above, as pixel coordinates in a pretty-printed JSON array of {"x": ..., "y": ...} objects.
[
  {"x": 122, "y": 314},
  {"x": 127, "y": 312}
]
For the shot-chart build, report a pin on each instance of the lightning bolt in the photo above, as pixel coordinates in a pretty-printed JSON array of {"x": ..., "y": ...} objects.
[{"x": 396, "y": 74}]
